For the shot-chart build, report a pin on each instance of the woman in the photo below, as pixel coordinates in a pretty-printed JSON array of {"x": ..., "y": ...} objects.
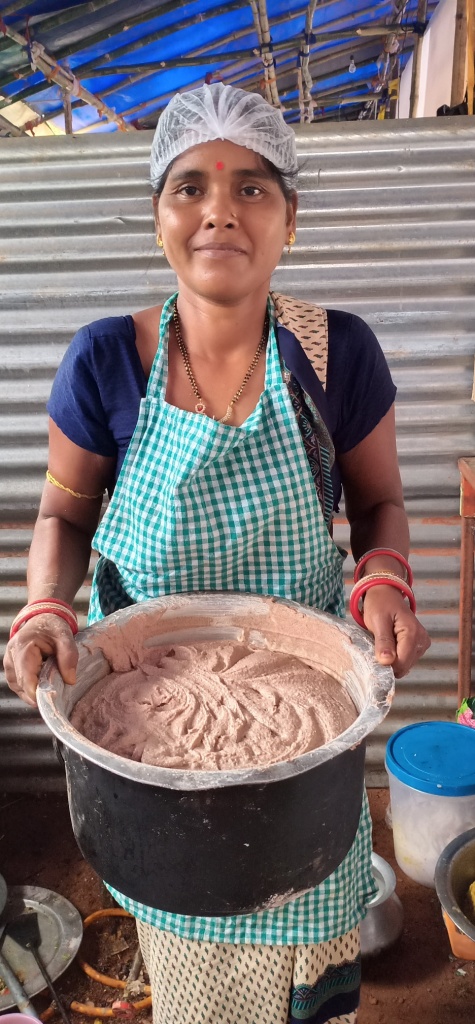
[{"x": 218, "y": 449}]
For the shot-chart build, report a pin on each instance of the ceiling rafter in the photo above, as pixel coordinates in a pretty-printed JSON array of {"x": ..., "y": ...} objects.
[
  {"x": 123, "y": 25},
  {"x": 378, "y": 30},
  {"x": 84, "y": 68},
  {"x": 42, "y": 61},
  {"x": 63, "y": 18}
]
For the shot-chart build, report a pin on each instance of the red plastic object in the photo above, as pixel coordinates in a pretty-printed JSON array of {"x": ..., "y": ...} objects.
[{"x": 122, "y": 1008}]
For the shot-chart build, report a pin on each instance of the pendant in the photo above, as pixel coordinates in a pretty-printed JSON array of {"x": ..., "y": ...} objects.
[
  {"x": 227, "y": 415},
  {"x": 200, "y": 406}
]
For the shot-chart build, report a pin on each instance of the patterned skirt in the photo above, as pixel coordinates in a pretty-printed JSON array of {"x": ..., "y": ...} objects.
[{"x": 208, "y": 983}]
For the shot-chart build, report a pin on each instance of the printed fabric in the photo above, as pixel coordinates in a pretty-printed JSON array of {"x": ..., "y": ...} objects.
[{"x": 203, "y": 983}]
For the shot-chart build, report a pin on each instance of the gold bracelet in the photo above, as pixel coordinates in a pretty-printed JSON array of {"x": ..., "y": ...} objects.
[{"x": 75, "y": 494}]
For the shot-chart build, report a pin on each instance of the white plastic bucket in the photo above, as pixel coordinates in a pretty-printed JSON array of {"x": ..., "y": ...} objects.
[{"x": 431, "y": 769}]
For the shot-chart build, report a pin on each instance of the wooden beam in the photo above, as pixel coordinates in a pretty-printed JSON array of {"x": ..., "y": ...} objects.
[
  {"x": 68, "y": 114},
  {"x": 467, "y": 512},
  {"x": 470, "y": 55},
  {"x": 460, "y": 54}
]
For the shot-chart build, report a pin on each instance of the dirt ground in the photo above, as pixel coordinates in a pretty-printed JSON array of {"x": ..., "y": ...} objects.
[{"x": 418, "y": 981}]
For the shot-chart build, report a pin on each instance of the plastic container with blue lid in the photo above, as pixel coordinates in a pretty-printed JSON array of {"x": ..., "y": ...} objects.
[{"x": 431, "y": 769}]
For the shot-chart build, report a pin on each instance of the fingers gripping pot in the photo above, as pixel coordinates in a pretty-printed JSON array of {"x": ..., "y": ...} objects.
[{"x": 220, "y": 842}]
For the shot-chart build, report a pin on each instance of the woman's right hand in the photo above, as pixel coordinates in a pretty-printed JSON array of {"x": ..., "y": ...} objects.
[{"x": 36, "y": 640}]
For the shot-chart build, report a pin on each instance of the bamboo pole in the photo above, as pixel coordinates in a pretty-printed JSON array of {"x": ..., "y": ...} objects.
[
  {"x": 154, "y": 37},
  {"x": 68, "y": 114},
  {"x": 283, "y": 19},
  {"x": 153, "y": 67},
  {"x": 245, "y": 76},
  {"x": 53, "y": 72},
  {"x": 151, "y": 106},
  {"x": 265, "y": 55},
  {"x": 13, "y": 7},
  {"x": 305, "y": 81},
  {"x": 268, "y": 58},
  {"x": 63, "y": 18},
  {"x": 214, "y": 58},
  {"x": 121, "y": 26},
  {"x": 249, "y": 82},
  {"x": 243, "y": 73},
  {"x": 132, "y": 79}
]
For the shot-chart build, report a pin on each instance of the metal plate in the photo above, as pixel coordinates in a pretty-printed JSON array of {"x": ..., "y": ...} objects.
[{"x": 60, "y": 927}]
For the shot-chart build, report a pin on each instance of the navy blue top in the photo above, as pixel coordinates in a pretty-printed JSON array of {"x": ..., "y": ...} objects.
[{"x": 98, "y": 387}]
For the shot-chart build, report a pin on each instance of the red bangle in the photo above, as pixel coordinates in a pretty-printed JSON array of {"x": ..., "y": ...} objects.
[
  {"x": 29, "y": 613},
  {"x": 362, "y": 586},
  {"x": 390, "y": 553}
]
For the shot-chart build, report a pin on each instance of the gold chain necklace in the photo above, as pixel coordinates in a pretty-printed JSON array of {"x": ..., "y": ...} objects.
[{"x": 200, "y": 406}]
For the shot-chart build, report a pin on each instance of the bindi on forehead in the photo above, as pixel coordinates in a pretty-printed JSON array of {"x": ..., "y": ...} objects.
[{"x": 220, "y": 165}]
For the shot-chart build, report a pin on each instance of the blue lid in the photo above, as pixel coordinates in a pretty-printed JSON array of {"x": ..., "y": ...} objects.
[{"x": 434, "y": 757}]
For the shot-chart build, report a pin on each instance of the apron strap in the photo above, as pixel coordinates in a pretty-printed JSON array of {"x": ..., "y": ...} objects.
[
  {"x": 302, "y": 337},
  {"x": 309, "y": 325}
]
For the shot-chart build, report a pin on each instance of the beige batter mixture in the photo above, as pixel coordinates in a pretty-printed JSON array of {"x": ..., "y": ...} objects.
[{"x": 213, "y": 707}]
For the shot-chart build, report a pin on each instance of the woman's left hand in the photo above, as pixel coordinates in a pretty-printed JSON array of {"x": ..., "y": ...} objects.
[{"x": 399, "y": 638}]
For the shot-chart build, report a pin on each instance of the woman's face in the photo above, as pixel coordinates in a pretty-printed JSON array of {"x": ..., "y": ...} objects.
[{"x": 224, "y": 221}]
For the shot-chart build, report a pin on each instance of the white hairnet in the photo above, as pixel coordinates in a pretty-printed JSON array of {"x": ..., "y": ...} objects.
[{"x": 220, "y": 111}]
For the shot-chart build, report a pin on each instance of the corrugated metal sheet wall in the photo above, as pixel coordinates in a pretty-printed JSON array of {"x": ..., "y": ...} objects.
[{"x": 386, "y": 229}]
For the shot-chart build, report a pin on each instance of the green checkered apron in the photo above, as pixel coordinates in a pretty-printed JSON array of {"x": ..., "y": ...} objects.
[{"x": 200, "y": 505}]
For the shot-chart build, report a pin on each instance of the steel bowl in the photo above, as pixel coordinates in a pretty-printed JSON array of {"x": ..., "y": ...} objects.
[{"x": 454, "y": 873}]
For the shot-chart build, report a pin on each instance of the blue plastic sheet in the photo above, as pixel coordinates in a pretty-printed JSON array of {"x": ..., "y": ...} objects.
[{"x": 188, "y": 28}]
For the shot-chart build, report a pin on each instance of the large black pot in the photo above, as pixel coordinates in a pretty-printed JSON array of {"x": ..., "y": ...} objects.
[{"x": 227, "y": 842}]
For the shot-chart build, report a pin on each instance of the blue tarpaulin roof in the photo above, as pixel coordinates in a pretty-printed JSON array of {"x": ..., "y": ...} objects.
[{"x": 135, "y": 58}]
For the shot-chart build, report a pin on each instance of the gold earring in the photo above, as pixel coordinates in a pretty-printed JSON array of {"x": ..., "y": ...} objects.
[
  {"x": 159, "y": 242},
  {"x": 290, "y": 242}
]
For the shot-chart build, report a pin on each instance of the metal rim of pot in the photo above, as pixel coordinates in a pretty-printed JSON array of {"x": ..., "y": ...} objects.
[
  {"x": 51, "y": 688},
  {"x": 443, "y": 882}
]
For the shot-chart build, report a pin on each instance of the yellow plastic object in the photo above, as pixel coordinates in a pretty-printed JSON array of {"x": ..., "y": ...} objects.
[
  {"x": 461, "y": 945},
  {"x": 471, "y": 902}
]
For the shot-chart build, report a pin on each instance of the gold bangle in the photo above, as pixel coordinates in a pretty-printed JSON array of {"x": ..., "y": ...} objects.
[
  {"x": 75, "y": 494},
  {"x": 384, "y": 572}
]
